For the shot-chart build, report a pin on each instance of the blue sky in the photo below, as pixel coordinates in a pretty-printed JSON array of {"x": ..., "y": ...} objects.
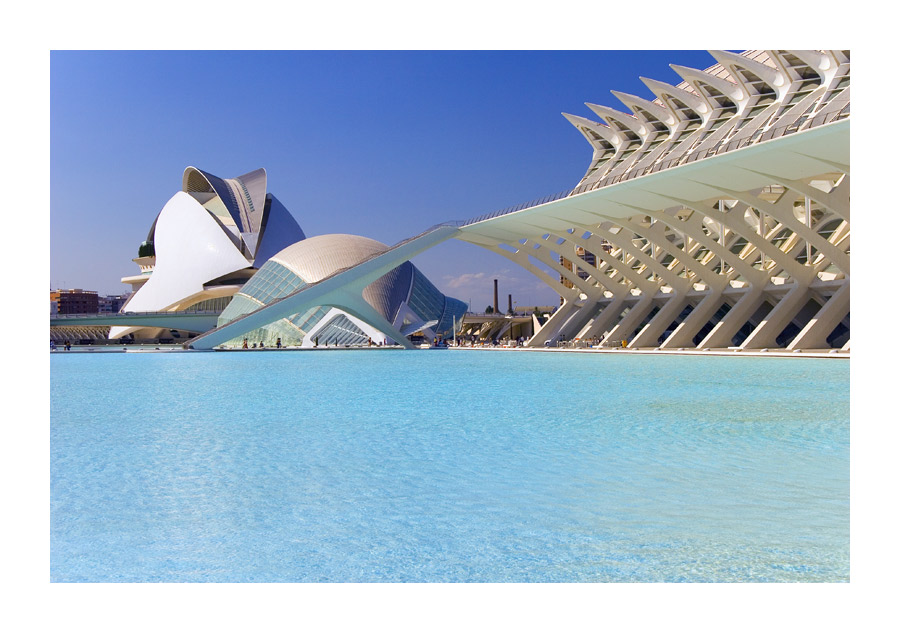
[{"x": 382, "y": 144}]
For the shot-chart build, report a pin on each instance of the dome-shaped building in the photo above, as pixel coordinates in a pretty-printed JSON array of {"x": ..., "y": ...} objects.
[{"x": 404, "y": 298}]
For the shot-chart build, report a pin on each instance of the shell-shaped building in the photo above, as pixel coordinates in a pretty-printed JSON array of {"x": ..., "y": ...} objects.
[
  {"x": 404, "y": 297},
  {"x": 205, "y": 244},
  {"x": 225, "y": 244}
]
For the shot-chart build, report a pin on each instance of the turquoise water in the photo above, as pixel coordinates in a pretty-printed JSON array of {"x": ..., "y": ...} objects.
[{"x": 448, "y": 466}]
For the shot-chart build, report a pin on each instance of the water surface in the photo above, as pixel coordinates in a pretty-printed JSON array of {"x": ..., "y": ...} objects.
[{"x": 447, "y": 466}]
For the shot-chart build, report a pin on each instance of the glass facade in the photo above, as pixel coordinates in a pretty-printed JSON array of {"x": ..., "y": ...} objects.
[
  {"x": 271, "y": 282},
  {"x": 218, "y": 304},
  {"x": 307, "y": 320},
  {"x": 274, "y": 281},
  {"x": 240, "y": 305},
  {"x": 425, "y": 300},
  {"x": 452, "y": 308},
  {"x": 341, "y": 331},
  {"x": 431, "y": 304}
]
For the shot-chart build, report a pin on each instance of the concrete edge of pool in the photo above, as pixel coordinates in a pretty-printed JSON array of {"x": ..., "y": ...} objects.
[{"x": 103, "y": 349}]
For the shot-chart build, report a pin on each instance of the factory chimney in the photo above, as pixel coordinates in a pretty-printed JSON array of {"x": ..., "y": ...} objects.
[{"x": 496, "y": 302}]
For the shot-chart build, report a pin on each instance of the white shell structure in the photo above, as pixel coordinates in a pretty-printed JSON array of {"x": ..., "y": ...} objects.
[
  {"x": 191, "y": 249},
  {"x": 205, "y": 242}
]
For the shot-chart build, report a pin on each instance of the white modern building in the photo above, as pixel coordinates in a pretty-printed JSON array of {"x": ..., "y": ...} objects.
[
  {"x": 717, "y": 215},
  {"x": 205, "y": 243},
  {"x": 227, "y": 245}
]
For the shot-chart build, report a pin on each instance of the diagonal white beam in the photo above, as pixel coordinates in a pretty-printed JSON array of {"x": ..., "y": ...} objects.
[{"x": 343, "y": 289}]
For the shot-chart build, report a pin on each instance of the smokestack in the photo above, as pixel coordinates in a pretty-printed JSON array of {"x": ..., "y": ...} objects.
[
  {"x": 496, "y": 301},
  {"x": 510, "y": 303}
]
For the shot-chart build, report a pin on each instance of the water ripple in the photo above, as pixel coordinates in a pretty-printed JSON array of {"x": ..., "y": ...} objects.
[{"x": 448, "y": 467}]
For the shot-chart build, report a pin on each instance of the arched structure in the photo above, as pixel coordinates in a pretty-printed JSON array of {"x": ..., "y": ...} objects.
[{"x": 717, "y": 215}]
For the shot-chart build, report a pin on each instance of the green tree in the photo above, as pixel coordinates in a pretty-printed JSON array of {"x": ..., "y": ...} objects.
[{"x": 146, "y": 249}]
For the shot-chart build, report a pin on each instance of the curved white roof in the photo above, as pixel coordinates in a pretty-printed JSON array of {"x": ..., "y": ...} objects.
[
  {"x": 317, "y": 257},
  {"x": 733, "y": 102},
  {"x": 191, "y": 249}
]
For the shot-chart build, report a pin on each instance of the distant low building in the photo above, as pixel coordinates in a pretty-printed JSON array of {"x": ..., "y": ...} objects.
[
  {"x": 111, "y": 304},
  {"x": 75, "y": 301}
]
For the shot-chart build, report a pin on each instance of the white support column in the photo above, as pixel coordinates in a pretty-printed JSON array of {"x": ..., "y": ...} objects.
[
  {"x": 625, "y": 327},
  {"x": 814, "y": 334},
  {"x": 724, "y": 330},
  {"x": 728, "y": 258},
  {"x": 575, "y": 323},
  {"x": 837, "y": 201},
  {"x": 553, "y": 325},
  {"x": 649, "y": 335},
  {"x": 578, "y": 321},
  {"x": 360, "y": 308},
  {"x": 808, "y": 212},
  {"x": 624, "y": 243},
  {"x": 683, "y": 335},
  {"x": 678, "y": 300},
  {"x": 763, "y": 229},
  {"x": 521, "y": 259},
  {"x": 634, "y": 280},
  {"x": 722, "y": 236},
  {"x": 766, "y": 332},
  {"x": 783, "y": 211},
  {"x": 734, "y": 220},
  {"x": 605, "y": 319}
]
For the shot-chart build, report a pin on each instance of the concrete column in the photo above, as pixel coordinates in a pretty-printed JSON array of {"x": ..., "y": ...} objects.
[
  {"x": 766, "y": 332},
  {"x": 724, "y": 330},
  {"x": 605, "y": 319},
  {"x": 578, "y": 321},
  {"x": 837, "y": 201},
  {"x": 683, "y": 335},
  {"x": 553, "y": 325},
  {"x": 649, "y": 335},
  {"x": 783, "y": 211},
  {"x": 813, "y": 335},
  {"x": 625, "y": 327}
]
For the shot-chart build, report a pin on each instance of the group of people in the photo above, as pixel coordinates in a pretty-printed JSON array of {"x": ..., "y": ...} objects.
[
  {"x": 66, "y": 346},
  {"x": 262, "y": 344},
  {"x": 471, "y": 340}
]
